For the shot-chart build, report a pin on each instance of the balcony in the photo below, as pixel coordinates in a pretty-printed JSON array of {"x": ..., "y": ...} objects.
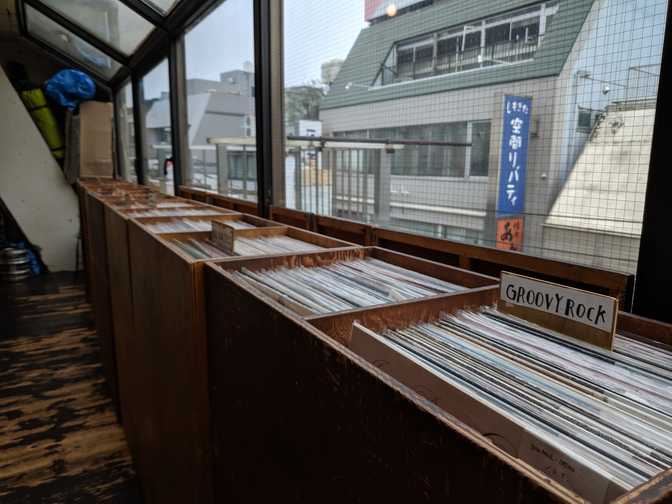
[{"x": 501, "y": 53}]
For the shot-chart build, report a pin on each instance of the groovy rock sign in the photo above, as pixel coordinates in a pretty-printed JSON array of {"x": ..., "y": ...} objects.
[{"x": 581, "y": 314}]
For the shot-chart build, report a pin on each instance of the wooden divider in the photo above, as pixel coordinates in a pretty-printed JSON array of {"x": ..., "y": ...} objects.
[
  {"x": 492, "y": 261},
  {"x": 194, "y": 194},
  {"x": 169, "y": 366},
  {"x": 219, "y": 200},
  {"x": 640, "y": 327},
  {"x": 353, "y": 231},
  {"x": 238, "y": 205},
  {"x": 291, "y": 217}
]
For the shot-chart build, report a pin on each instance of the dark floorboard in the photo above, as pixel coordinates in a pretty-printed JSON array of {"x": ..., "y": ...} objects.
[{"x": 60, "y": 441}]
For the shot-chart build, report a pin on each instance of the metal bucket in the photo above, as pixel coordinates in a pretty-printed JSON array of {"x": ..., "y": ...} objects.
[{"x": 14, "y": 265}]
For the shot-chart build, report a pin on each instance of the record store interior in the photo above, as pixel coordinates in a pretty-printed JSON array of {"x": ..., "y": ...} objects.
[{"x": 317, "y": 251}]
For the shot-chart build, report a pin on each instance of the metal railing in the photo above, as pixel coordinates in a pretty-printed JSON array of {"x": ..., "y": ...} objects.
[
  {"x": 500, "y": 53},
  {"x": 339, "y": 176}
]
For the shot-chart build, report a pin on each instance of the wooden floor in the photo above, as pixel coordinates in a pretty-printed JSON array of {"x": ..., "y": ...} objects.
[{"x": 60, "y": 440}]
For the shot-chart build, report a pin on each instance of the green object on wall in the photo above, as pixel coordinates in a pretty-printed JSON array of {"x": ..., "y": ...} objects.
[{"x": 37, "y": 105}]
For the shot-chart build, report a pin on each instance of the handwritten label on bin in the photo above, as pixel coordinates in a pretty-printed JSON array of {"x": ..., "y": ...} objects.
[{"x": 581, "y": 314}]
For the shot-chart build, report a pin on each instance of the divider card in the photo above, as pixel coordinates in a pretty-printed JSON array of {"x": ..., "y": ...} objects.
[
  {"x": 223, "y": 237},
  {"x": 574, "y": 312}
]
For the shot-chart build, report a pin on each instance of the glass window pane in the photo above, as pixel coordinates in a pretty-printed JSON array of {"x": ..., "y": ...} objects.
[
  {"x": 163, "y": 6},
  {"x": 157, "y": 145},
  {"x": 62, "y": 40},
  {"x": 109, "y": 20},
  {"x": 480, "y": 149},
  {"x": 126, "y": 132},
  {"x": 497, "y": 34},
  {"x": 424, "y": 56},
  {"x": 574, "y": 142},
  {"x": 526, "y": 30},
  {"x": 472, "y": 40},
  {"x": 220, "y": 101}
]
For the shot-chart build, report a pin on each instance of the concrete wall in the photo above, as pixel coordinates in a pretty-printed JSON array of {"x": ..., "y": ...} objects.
[
  {"x": 600, "y": 250},
  {"x": 32, "y": 185}
]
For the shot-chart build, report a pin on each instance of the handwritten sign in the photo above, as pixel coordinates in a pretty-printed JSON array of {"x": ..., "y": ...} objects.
[
  {"x": 513, "y": 157},
  {"x": 510, "y": 233},
  {"x": 581, "y": 314}
]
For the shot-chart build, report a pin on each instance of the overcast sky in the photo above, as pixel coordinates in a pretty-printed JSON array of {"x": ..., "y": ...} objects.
[{"x": 315, "y": 31}]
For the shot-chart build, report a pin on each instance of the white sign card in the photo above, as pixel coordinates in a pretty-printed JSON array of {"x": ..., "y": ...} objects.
[{"x": 596, "y": 311}]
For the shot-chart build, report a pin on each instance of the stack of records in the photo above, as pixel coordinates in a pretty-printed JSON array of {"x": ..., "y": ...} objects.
[
  {"x": 176, "y": 212},
  {"x": 343, "y": 285},
  {"x": 205, "y": 248},
  {"x": 610, "y": 410},
  {"x": 185, "y": 225}
]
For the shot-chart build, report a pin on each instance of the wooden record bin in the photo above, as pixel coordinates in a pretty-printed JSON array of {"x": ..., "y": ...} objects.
[
  {"x": 121, "y": 294},
  {"x": 103, "y": 252},
  {"x": 340, "y": 328},
  {"x": 293, "y": 403},
  {"x": 167, "y": 366},
  {"x": 292, "y": 407},
  {"x": 98, "y": 277},
  {"x": 98, "y": 188},
  {"x": 105, "y": 249}
]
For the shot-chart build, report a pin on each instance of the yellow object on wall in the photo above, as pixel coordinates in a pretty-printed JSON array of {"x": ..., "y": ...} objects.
[{"x": 37, "y": 105}]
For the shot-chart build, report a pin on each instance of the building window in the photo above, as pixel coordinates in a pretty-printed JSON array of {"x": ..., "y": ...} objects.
[
  {"x": 586, "y": 119},
  {"x": 499, "y": 40},
  {"x": 480, "y": 149},
  {"x": 435, "y": 160}
]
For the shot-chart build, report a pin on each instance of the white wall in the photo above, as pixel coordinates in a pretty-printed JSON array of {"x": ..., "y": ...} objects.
[{"x": 32, "y": 184}]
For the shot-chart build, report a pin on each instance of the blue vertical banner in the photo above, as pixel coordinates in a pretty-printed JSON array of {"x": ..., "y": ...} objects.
[{"x": 513, "y": 160}]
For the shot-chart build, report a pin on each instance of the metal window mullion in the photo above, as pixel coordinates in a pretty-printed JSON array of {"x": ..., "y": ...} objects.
[
  {"x": 468, "y": 151},
  {"x": 178, "y": 110},
  {"x": 654, "y": 270},
  {"x": 146, "y": 11},
  {"x": 268, "y": 108},
  {"x": 64, "y": 60},
  {"x": 138, "y": 129},
  {"x": 121, "y": 168},
  {"x": 79, "y": 31}
]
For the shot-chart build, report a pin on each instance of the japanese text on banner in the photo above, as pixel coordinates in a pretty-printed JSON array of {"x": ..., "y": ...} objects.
[{"x": 513, "y": 162}]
